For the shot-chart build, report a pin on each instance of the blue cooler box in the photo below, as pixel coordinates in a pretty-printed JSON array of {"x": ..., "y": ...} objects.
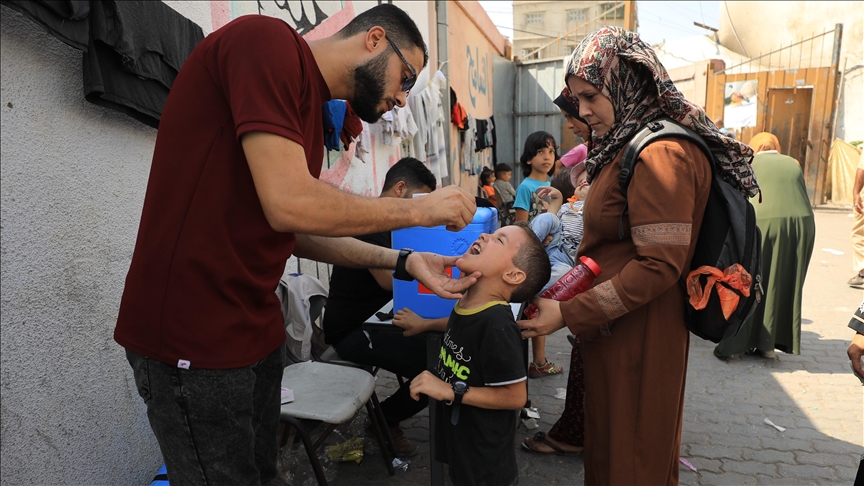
[{"x": 416, "y": 296}]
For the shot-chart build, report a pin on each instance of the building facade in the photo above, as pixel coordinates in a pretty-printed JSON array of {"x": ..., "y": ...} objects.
[{"x": 553, "y": 29}]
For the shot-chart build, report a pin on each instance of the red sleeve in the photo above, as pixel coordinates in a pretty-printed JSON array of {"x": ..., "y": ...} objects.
[{"x": 259, "y": 66}]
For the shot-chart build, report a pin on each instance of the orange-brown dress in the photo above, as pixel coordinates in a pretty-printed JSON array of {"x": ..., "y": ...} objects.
[{"x": 635, "y": 342}]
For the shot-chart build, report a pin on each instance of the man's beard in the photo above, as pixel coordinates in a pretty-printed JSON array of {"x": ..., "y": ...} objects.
[{"x": 369, "y": 81}]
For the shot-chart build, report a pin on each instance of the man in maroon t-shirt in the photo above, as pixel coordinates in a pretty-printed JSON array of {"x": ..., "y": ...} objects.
[{"x": 233, "y": 193}]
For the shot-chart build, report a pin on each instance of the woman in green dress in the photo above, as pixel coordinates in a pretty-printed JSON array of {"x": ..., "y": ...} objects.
[{"x": 785, "y": 218}]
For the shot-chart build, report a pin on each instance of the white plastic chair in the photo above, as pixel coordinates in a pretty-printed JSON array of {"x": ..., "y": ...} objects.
[{"x": 330, "y": 394}]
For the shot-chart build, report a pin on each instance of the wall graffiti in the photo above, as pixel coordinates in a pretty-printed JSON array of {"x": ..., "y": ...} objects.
[
  {"x": 303, "y": 15},
  {"x": 478, "y": 74}
]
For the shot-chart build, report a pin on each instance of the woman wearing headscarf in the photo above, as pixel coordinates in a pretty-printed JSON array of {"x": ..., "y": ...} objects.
[
  {"x": 577, "y": 125},
  {"x": 634, "y": 340},
  {"x": 567, "y": 436},
  {"x": 785, "y": 218}
]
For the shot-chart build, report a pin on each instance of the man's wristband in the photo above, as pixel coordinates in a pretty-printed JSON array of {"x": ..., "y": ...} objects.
[{"x": 401, "y": 273}]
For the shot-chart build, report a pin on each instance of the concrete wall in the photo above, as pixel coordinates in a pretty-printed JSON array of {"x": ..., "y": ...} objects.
[
  {"x": 743, "y": 29},
  {"x": 73, "y": 181},
  {"x": 471, "y": 58}
]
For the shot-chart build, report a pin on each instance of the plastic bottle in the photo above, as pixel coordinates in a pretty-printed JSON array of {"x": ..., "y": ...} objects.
[{"x": 576, "y": 281}]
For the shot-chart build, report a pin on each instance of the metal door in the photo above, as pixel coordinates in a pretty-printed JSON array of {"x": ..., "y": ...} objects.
[
  {"x": 788, "y": 117},
  {"x": 537, "y": 84}
]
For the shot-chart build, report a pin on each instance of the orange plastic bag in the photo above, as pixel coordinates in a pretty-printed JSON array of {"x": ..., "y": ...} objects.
[{"x": 735, "y": 276}]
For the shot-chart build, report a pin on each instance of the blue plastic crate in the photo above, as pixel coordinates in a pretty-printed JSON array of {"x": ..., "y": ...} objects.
[{"x": 414, "y": 295}]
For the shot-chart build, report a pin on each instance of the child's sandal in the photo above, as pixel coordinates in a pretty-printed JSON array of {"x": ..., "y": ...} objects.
[{"x": 547, "y": 369}]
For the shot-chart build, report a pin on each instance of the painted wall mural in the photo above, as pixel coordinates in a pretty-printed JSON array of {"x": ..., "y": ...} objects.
[
  {"x": 478, "y": 73},
  {"x": 303, "y": 16}
]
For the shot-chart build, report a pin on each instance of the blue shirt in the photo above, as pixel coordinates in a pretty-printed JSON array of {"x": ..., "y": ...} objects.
[{"x": 525, "y": 198}]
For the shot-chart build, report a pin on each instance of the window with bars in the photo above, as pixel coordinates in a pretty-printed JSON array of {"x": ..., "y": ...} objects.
[
  {"x": 616, "y": 14},
  {"x": 576, "y": 15},
  {"x": 527, "y": 51},
  {"x": 533, "y": 18}
]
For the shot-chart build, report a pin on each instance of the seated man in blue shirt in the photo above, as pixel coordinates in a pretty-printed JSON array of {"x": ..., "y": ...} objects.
[{"x": 357, "y": 293}]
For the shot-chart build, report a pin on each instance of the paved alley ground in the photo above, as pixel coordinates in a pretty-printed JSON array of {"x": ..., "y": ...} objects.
[{"x": 813, "y": 396}]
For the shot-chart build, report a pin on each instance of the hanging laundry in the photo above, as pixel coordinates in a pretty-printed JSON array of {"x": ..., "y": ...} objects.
[
  {"x": 440, "y": 161},
  {"x": 134, "y": 53},
  {"x": 364, "y": 142},
  {"x": 458, "y": 115},
  {"x": 480, "y": 136},
  {"x": 405, "y": 124},
  {"x": 352, "y": 126},
  {"x": 428, "y": 143},
  {"x": 333, "y": 115},
  {"x": 66, "y": 21},
  {"x": 494, "y": 137},
  {"x": 387, "y": 127},
  {"x": 469, "y": 153}
]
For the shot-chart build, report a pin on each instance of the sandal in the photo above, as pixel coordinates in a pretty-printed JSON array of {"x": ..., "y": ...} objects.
[
  {"x": 540, "y": 437},
  {"x": 546, "y": 369}
]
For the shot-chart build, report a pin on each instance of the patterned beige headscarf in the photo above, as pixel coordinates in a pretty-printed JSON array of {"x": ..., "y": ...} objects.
[{"x": 626, "y": 70}]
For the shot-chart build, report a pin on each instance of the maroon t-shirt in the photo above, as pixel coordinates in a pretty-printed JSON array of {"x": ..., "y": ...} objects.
[{"x": 206, "y": 262}]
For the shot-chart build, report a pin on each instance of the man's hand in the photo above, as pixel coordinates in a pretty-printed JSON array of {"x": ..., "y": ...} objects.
[
  {"x": 855, "y": 352},
  {"x": 450, "y": 206},
  {"x": 431, "y": 386},
  {"x": 429, "y": 269},
  {"x": 856, "y": 203},
  {"x": 549, "y": 320}
]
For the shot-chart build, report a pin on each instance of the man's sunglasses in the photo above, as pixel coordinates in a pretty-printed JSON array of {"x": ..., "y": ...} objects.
[{"x": 407, "y": 83}]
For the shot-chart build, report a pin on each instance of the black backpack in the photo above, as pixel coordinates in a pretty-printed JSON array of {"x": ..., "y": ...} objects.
[{"x": 728, "y": 235}]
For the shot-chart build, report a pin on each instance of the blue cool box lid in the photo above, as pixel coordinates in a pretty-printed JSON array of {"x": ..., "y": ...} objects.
[{"x": 437, "y": 239}]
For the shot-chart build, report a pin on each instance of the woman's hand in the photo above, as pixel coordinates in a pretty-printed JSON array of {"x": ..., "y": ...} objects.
[{"x": 549, "y": 320}]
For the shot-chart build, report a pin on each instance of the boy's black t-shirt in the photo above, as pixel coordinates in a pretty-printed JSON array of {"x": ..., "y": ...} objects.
[
  {"x": 482, "y": 347},
  {"x": 354, "y": 295}
]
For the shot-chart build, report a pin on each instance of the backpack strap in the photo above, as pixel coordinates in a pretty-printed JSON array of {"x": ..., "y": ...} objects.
[{"x": 657, "y": 129}]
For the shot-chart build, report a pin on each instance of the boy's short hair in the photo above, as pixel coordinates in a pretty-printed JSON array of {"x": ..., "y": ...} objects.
[
  {"x": 533, "y": 144},
  {"x": 410, "y": 171},
  {"x": 562, "y": 182},
  {"x": 400, "y": 28},
  {"x": 502, "y": 168},
  {"x": 532, "y": 259}
]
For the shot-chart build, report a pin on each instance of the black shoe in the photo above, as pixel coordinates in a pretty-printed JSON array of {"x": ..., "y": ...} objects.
[{"x": 405, "y": 447}]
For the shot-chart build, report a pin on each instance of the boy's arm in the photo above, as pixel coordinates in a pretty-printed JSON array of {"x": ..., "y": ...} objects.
[
  {"x": 555, "y": 196},
  {"x": 414, "y": 324},
  {"x": 504, "y": 397}
]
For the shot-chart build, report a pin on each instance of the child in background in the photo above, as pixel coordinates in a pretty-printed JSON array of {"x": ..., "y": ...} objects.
[
  {"x": 479, "y": 381},
  {"x": 537, "y": 161},
  {"x": 569, "y": 210},
  {"x": 505, "y": 192},
  {"x": 487, "y": 177}
]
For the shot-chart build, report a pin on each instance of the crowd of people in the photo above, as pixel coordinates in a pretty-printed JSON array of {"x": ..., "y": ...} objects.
[{"x": 233, "y": 193}]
